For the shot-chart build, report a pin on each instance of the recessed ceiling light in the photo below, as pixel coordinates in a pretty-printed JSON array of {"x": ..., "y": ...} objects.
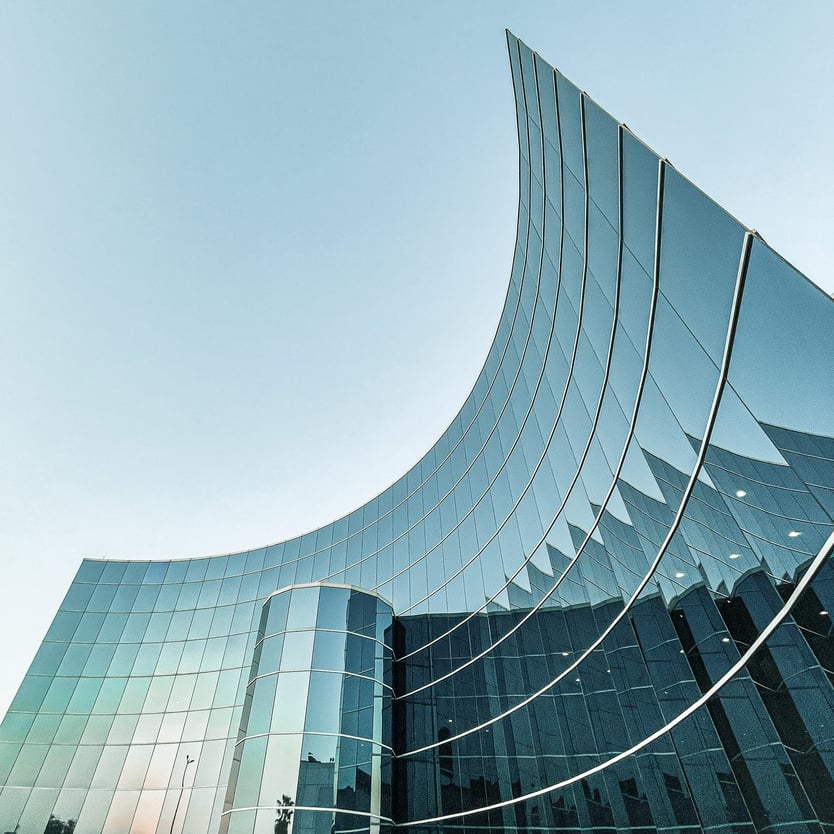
[
  {"x": 725, "y": 639},
  {"x": 740, "y": 493},
  {"x": 734, "y": 555},
  {"x": 794, "y": 533},
  {"x": 823, "y": 613},
  {"x": 564, "y": 654},
  {"x": 679, "y": 575}
]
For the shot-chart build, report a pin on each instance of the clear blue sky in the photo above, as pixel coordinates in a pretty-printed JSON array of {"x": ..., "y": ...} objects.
[{"x": 252, "y": 254}]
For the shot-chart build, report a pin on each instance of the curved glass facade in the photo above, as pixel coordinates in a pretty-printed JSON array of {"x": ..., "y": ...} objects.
[
  {"x": 609, "y": 579},
  {"x": 316, "y": 724}
]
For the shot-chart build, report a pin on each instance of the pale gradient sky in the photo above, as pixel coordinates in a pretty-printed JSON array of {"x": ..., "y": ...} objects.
[{"x": 252, "y": 255}]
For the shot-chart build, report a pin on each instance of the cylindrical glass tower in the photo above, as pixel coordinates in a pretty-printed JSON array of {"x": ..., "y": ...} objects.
[{"x": 314, "y": 754}]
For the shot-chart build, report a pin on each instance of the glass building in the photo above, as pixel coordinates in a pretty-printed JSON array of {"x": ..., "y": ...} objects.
[{"x": 601, "y": 601}]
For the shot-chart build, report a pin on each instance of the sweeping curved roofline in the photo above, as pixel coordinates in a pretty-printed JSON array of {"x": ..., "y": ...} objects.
[
  {"x": 511, "y": 37},
  {"x": 362, "y": 504}
]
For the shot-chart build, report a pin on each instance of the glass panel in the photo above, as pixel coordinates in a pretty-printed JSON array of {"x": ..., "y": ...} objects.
[
  {"x": 298, "y": 650},
  {"x": 329, "y": 650},
  {"x": 303, "y": 608},
  {"x": 290, "y": 702},
  {"x": 795, "y": 357}
]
